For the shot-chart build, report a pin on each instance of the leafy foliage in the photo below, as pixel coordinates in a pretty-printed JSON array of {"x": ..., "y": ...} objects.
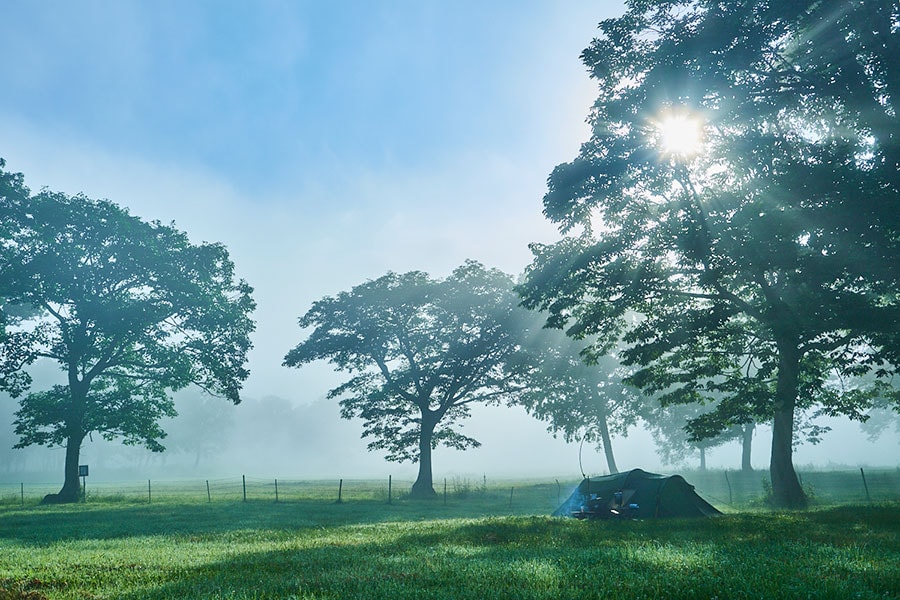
[
  {"x": 419, "y": 353},
  {"x": 764, "y": 265}
]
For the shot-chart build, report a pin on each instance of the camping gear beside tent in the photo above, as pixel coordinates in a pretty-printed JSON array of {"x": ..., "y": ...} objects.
[{"x": 635, "y": 494}]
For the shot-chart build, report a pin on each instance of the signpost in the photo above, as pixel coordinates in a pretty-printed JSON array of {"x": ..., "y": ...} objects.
[{"x": 83, "y": 472}]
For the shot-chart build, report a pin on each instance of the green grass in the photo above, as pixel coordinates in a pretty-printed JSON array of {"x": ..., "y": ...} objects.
[{"x": 469, "y": 548}]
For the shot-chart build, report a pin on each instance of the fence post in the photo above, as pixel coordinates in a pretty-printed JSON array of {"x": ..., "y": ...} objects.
[
  {"x": 340, "y": 491},
  {"x": 244, "y": 481},
  {"x": 730, "y": 499},
  {"x": 865, "y": 485},
  {"x": 389, "y": 489},
  {"x": 149, "y": 498},
  {"x": 510, "y": 496},
  {"x": 558, "y": 492},
  {"x": 208, "y": 495},
  {"x": 276, "y": 491},
  {"x": 22, "y": 491},
  {"x": 445, "y": 491}
]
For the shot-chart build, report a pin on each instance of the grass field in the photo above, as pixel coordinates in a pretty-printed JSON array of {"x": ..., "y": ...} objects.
[{"x": 483, "y": 547}]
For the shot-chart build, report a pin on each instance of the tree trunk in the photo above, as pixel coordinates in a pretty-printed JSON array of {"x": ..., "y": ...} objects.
[
  {"x": 424, "y": 484},
  {"x": 746, "y": 447},
  {"x": 607, "y": 447},
  {"x": 75, "y": 434},
  {"x": 71, "y": 489},
  {"x": 786, "y": 489},
  {"x": 702, "y": 458}
]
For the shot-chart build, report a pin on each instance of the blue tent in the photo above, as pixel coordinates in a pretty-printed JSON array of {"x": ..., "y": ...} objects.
[{"x": 635, "y": 494}]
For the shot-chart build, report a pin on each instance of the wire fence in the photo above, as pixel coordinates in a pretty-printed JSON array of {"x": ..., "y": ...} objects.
[
  {"x": 721, "y": 488},
  {"x": 228, "y": 489},
  {"x": 739, "y": 488}
]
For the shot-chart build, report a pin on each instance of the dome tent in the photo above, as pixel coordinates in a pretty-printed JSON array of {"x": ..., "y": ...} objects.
[{"x": 637, "y": 494}]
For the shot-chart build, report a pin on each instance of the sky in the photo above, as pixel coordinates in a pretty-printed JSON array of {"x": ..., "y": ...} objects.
[{"x": 324, "y": 143}]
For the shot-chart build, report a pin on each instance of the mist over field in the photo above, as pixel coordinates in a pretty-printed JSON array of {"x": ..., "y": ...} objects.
[{"x": 276, "y": 437}]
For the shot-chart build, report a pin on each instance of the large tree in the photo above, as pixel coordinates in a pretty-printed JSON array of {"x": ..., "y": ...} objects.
[
  {"x": 420, "y": 353},
  {"x": 777, "y": 227},
  {"x": 130, "y": 311}
]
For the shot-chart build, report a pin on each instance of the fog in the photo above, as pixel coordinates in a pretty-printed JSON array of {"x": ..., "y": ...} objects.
[
  {"x": 277, "y": 437},
  {"x": 323, "y": 147}
]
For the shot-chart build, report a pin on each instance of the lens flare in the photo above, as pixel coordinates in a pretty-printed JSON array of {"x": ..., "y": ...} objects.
[{"x": 680, "y": 135}]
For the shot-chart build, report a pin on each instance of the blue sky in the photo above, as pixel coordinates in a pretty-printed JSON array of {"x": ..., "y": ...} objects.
[{"x": 264, "y": 93}]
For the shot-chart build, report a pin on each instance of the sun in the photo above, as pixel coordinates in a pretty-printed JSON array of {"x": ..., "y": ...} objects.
[{"x": 679, "y": 135}]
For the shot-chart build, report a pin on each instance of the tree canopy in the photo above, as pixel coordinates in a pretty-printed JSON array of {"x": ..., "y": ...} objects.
[
  {"x": 420, "y": 352},
  {"x": 130, "y": 311},
  {"x": 764, "y": 256}
]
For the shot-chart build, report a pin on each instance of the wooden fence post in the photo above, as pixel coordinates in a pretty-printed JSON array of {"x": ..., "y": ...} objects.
[{"x": 865, "y": 485}]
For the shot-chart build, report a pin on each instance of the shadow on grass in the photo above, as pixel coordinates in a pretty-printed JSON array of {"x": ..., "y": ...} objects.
[
  {"x": 428, "y": 550},
  {"x": 543, "y": 558},
  {"x": 44, "y": 525}
]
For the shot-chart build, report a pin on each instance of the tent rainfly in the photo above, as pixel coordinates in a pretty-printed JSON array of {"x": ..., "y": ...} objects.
[{"x": 635, "y": 494}]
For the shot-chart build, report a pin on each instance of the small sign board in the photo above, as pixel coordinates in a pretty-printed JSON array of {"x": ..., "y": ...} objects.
[{"x": 82, "y": 470}]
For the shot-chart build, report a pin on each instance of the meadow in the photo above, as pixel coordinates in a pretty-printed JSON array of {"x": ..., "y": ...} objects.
[{"x": 479, "y": 543}]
